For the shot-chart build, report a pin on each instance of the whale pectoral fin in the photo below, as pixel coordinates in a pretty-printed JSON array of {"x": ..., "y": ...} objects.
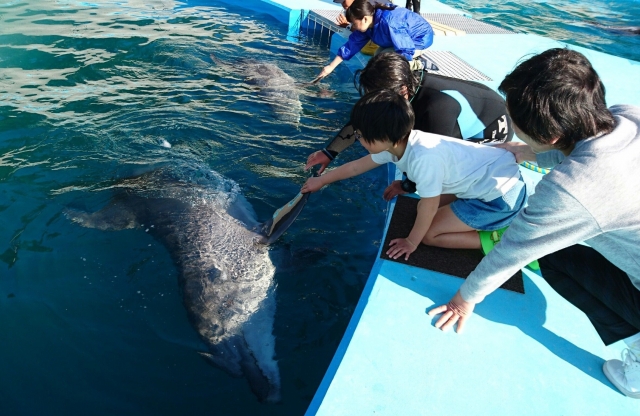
[
  {"x": 264, "y": 388},
  {"x": 113, "y": 217},
  {"x": 236, "y": 358},
  {"x": 283, "y": 218},
  {"x": 215, "y": 59},
  {"x": 231, "y": 366}
]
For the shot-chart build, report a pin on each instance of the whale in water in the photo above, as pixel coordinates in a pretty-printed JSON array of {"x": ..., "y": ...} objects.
[
  {"x": 632, "y": 30},
  {"x": 224, "y": 268},
  {"x": 274, "y": 86},
  {"x": 624, "y": 30}
]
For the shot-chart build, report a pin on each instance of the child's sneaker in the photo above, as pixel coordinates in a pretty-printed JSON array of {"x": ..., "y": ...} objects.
[
  {"x": 625, "y": 374},
  {"x": 488, "y": 239}
]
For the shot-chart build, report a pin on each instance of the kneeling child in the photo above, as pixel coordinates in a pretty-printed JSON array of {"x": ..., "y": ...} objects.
[{"x": 464, "y": 187}]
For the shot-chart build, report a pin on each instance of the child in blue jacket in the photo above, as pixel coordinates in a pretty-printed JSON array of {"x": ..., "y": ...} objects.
[{"x": 390, "y": 27}]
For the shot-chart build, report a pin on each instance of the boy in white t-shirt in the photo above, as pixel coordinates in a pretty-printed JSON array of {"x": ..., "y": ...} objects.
[{"x": 464, "y": 187}]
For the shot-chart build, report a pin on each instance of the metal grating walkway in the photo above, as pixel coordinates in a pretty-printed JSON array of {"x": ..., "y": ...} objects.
[
  {"x": 324, "y": 18},
  {"x": 470, "y": 26},
  {"x": 452, "y": 66},
  {"x": 327, "y": 19}
]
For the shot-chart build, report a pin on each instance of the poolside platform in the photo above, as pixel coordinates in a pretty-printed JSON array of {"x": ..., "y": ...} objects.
[{"x": 521, "y": 354}]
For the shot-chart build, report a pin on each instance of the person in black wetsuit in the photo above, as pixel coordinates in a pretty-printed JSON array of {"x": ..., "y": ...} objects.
[
  {"x": 442, "y": 105},
  {"x": 416, "y": 5}
]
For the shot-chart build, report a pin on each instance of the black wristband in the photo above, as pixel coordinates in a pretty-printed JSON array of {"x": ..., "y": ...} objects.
[
  {"x": 328, "y": 154},
  {"x": 408, "y": 186}
]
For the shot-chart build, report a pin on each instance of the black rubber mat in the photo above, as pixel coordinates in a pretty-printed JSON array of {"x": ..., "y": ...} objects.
[{"x": 455, "y": 262}]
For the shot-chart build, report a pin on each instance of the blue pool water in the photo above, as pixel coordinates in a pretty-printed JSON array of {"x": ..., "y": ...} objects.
[
  {"x": 92, "y": 322},
  {"x": 596, "y": 24}
]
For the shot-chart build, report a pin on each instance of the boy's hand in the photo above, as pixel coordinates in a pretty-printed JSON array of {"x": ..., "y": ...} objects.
[
  {"x": 393, "y": 190},
  {"x": 400, "y": 246},
  {"x": 317, "y": 158},
  {"x": 312, "y": 185},
  {"x": 457, "y": 310}
]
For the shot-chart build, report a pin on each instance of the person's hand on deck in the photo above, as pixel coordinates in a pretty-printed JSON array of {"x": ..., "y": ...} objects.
[
  {"x": 393, "y": 190},
  {"x": 312, "y": 185},
  {"x": 400, "y": 246},
  {"x": 317, "y": 158},
  {"x": 521, "y": 151},
  {"x": 457, "y": 310}
]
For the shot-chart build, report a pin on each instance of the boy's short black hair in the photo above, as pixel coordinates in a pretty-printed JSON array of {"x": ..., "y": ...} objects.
[
  {"x": 389, "y": 71},
  {"x": 383, "y": 115},
  {"x": 557, "y": 95}
]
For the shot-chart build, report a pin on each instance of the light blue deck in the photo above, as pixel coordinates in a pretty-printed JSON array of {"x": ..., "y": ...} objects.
[
  {"x": 531, "y": 354},
  {"x": 521, "y": 354}
]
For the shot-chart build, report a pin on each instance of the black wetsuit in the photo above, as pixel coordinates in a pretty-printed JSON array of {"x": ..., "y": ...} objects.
[
  {"x": 450, "y": 107},
  {"x": 416, "y": 5}
]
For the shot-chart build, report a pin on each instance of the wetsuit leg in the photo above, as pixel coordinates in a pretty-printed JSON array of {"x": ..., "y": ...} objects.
[{"x": 416, "y": 6}]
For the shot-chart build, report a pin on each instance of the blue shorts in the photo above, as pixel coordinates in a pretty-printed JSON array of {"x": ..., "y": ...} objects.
[{"x": 491, "y": 215}]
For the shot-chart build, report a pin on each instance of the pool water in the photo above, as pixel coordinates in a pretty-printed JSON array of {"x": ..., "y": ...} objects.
[
  {"x": 92, "y": 321},
  {"x": 594, "y": 24}
]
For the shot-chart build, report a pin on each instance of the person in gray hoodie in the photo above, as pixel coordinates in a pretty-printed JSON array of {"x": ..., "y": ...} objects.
[{"x": 583, "y": 222}]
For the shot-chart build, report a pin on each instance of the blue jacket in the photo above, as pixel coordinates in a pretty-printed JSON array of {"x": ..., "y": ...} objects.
[{"x": 399, "y": 28}]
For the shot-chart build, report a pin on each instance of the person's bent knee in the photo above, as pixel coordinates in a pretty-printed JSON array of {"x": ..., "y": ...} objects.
[{"x": 430, "y": 238}]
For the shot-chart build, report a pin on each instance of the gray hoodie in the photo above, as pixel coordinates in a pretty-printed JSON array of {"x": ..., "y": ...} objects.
[{"x": 592, "y": 196}]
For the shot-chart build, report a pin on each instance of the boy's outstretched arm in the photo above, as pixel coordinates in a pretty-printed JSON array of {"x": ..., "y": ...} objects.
[
  {"x": 427, "y": 208},
  {"x": 348, "y": 170}
]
